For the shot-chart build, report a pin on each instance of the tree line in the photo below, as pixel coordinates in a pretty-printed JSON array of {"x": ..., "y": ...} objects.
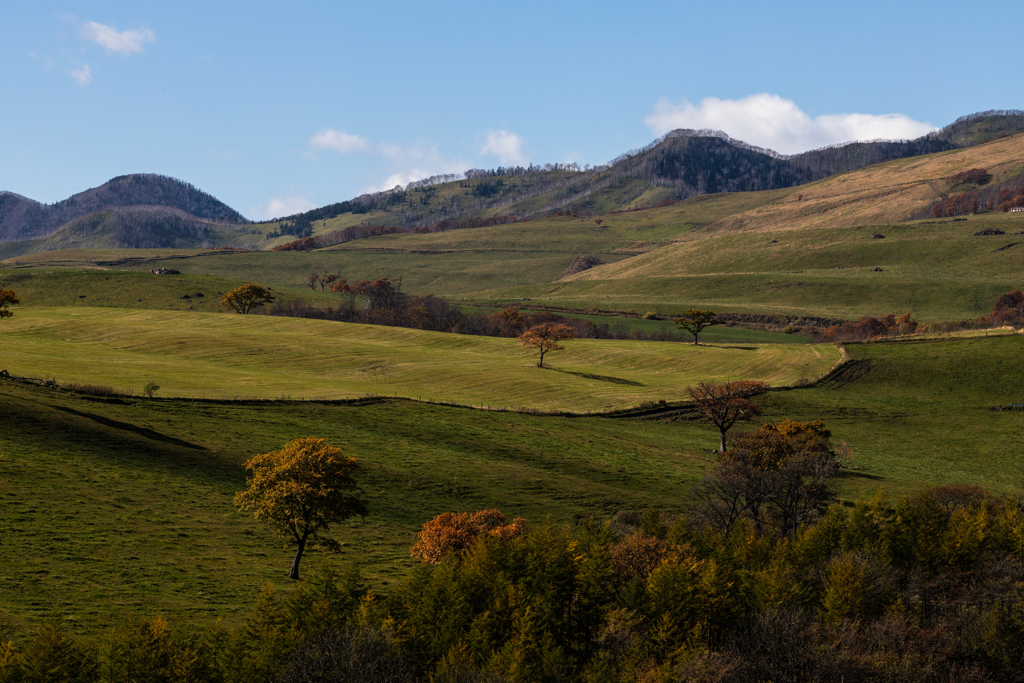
[
  {"x": 1007, "y": 310},
  {"x": 978, "y": 199},
  {"x": 354, "y": 232},
  {"x": 381, "y": 302}
]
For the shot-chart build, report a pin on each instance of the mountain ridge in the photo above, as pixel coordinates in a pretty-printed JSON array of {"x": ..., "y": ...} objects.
[{"x": 22, "y": 218}]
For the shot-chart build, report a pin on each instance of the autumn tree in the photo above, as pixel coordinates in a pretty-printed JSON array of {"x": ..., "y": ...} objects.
[
  {"x": 510, "y": 321},
  {"x": 380, "y": 293},
  {"x": 321, "y": 278},
  {"x": 456, "y": 531},
  {"x": 778, "y": 478},
  {"x": 301, "y": 490},
  {"x": 7, "y": 298},
  {"x": 247, "y": 297},
  {"x": 545, "y": 336},
  {"x": 694, "y": 321},
  {"x": 727, "y": 403},
  {"x": 1008, "y": 308},
  {"x": 342, "y": 287}
]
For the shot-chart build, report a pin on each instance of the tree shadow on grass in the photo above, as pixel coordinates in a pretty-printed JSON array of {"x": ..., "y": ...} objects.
[
  {"x": 603, "y": 378},
  {"x": 858, "y": 474},
  {"x": 125, "y": 426}
]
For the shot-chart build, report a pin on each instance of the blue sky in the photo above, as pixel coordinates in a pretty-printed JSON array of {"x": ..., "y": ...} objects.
[{"x": 275, "y": 107}]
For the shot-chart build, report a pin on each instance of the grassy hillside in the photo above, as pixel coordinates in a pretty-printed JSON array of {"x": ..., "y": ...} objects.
[
  {"x": 127, "y": 289},
  {"x": 120, "y": 507},
  {"x": 449, "y": 263},
  {"x": 885, "y": 193},
  {"x": 937, "y": 269},
  {"x": 801, "y": 251},
  {"x": 923, "y": 412},
  {"x": 117, "y": 509},
  {"x": 227, "y": 356}
]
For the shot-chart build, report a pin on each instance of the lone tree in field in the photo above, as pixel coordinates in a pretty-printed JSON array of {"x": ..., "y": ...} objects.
[
  {"x": 727, "y": 403},
  {"x": 694, "y": 322},
  {"x": 247, "y": 297},
  {"x": 301, "y": 490},
  {"x": 7, "y": 298},
  {"x": 545, "y": 337}
]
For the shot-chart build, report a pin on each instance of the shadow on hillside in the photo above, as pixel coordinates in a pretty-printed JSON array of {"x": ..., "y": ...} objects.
[
  {"x": 125, "y": 426},
  {"x": 857, "y": 474},
  {"x": 603, "y": 378}
]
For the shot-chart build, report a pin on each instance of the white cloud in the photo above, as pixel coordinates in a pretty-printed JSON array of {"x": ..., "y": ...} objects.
[
  {"x": 338, "y": 140},
  {"x": 82, "y": 74},
  {"x": 279, "y": 207},
  {"x": 414, "y": 162},
  {"x": 776, "y": 123},
  {"x": 508, "y": 147},
  {"x": 124, "y": 42}
]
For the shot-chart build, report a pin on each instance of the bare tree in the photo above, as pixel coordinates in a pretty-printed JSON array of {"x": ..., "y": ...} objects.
[{"x": 727, "y": 403}]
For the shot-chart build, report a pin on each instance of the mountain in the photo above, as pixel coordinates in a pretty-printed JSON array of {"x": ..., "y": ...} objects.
[
  {"x": 679, "y": 165},
  {"x": 23, "y": 219}
]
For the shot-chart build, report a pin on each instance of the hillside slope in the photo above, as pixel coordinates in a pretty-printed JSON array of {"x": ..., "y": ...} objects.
[
  {"x": 888, "y": 193},
  {"x": 681, "y": 164},
  {"x": 23, "y": 219}
]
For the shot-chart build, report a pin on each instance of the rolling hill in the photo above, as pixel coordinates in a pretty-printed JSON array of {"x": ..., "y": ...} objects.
[
  {"x": 679, "y": 165},
  {"x": 24, "y": 219}
]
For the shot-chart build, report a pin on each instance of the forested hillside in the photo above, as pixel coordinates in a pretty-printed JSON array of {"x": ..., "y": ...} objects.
[
  {"x": 22, "y": 218},
  {"x": 679, "y": 165}
]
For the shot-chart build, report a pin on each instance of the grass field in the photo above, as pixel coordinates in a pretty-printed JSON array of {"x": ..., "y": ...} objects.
[
  {"x": 225, "y": 356},
  {"x": 114, "y": 507},
  {"x": 129, "y": 289},
  {"x": 713, "y": 335},
  {"x": 919, "y": 412},
  {"x": 936, "y": 269}
]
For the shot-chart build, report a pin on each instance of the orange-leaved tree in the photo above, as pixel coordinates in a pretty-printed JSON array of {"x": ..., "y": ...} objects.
[
  {"x": 545, "y": 337},
  {"x": 7, "y": 298},
  {"x": 247, "y": 297},
  {"x": 456, "y": 531},
  {"x": 726, "y": 403},
  {"x": 301, "y": 490}
]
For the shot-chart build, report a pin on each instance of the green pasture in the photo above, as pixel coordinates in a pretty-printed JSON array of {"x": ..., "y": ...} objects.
[
  {"x": 114, "y": 509},
  {"x": 117, "y": 507},
  {"x": 719, "y": 334},
  {"x": 229, "y": 356},
  {"x": 129, "y": 289},
  {"x": 450, "y": 263},
  {"x": 937, "y": 270},
  {"x": 921, "y": 412}
]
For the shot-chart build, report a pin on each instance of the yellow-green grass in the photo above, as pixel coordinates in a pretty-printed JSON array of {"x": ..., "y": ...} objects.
[
  {"x": 117, "y": 509},
  {"x": 883, "y": 193},
  {"x": 130, "y": 289},
  {"x": 936, "y": 269},
  {"x": 449, "y": 263},
  {"x": 225, "y": 356},
  {"x": 624, "y": 325},
  {"x": 922, "y": 412}
]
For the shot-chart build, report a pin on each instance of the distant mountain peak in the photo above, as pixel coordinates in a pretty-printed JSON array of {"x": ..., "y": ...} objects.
[{"x": 22, "y": 218}]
